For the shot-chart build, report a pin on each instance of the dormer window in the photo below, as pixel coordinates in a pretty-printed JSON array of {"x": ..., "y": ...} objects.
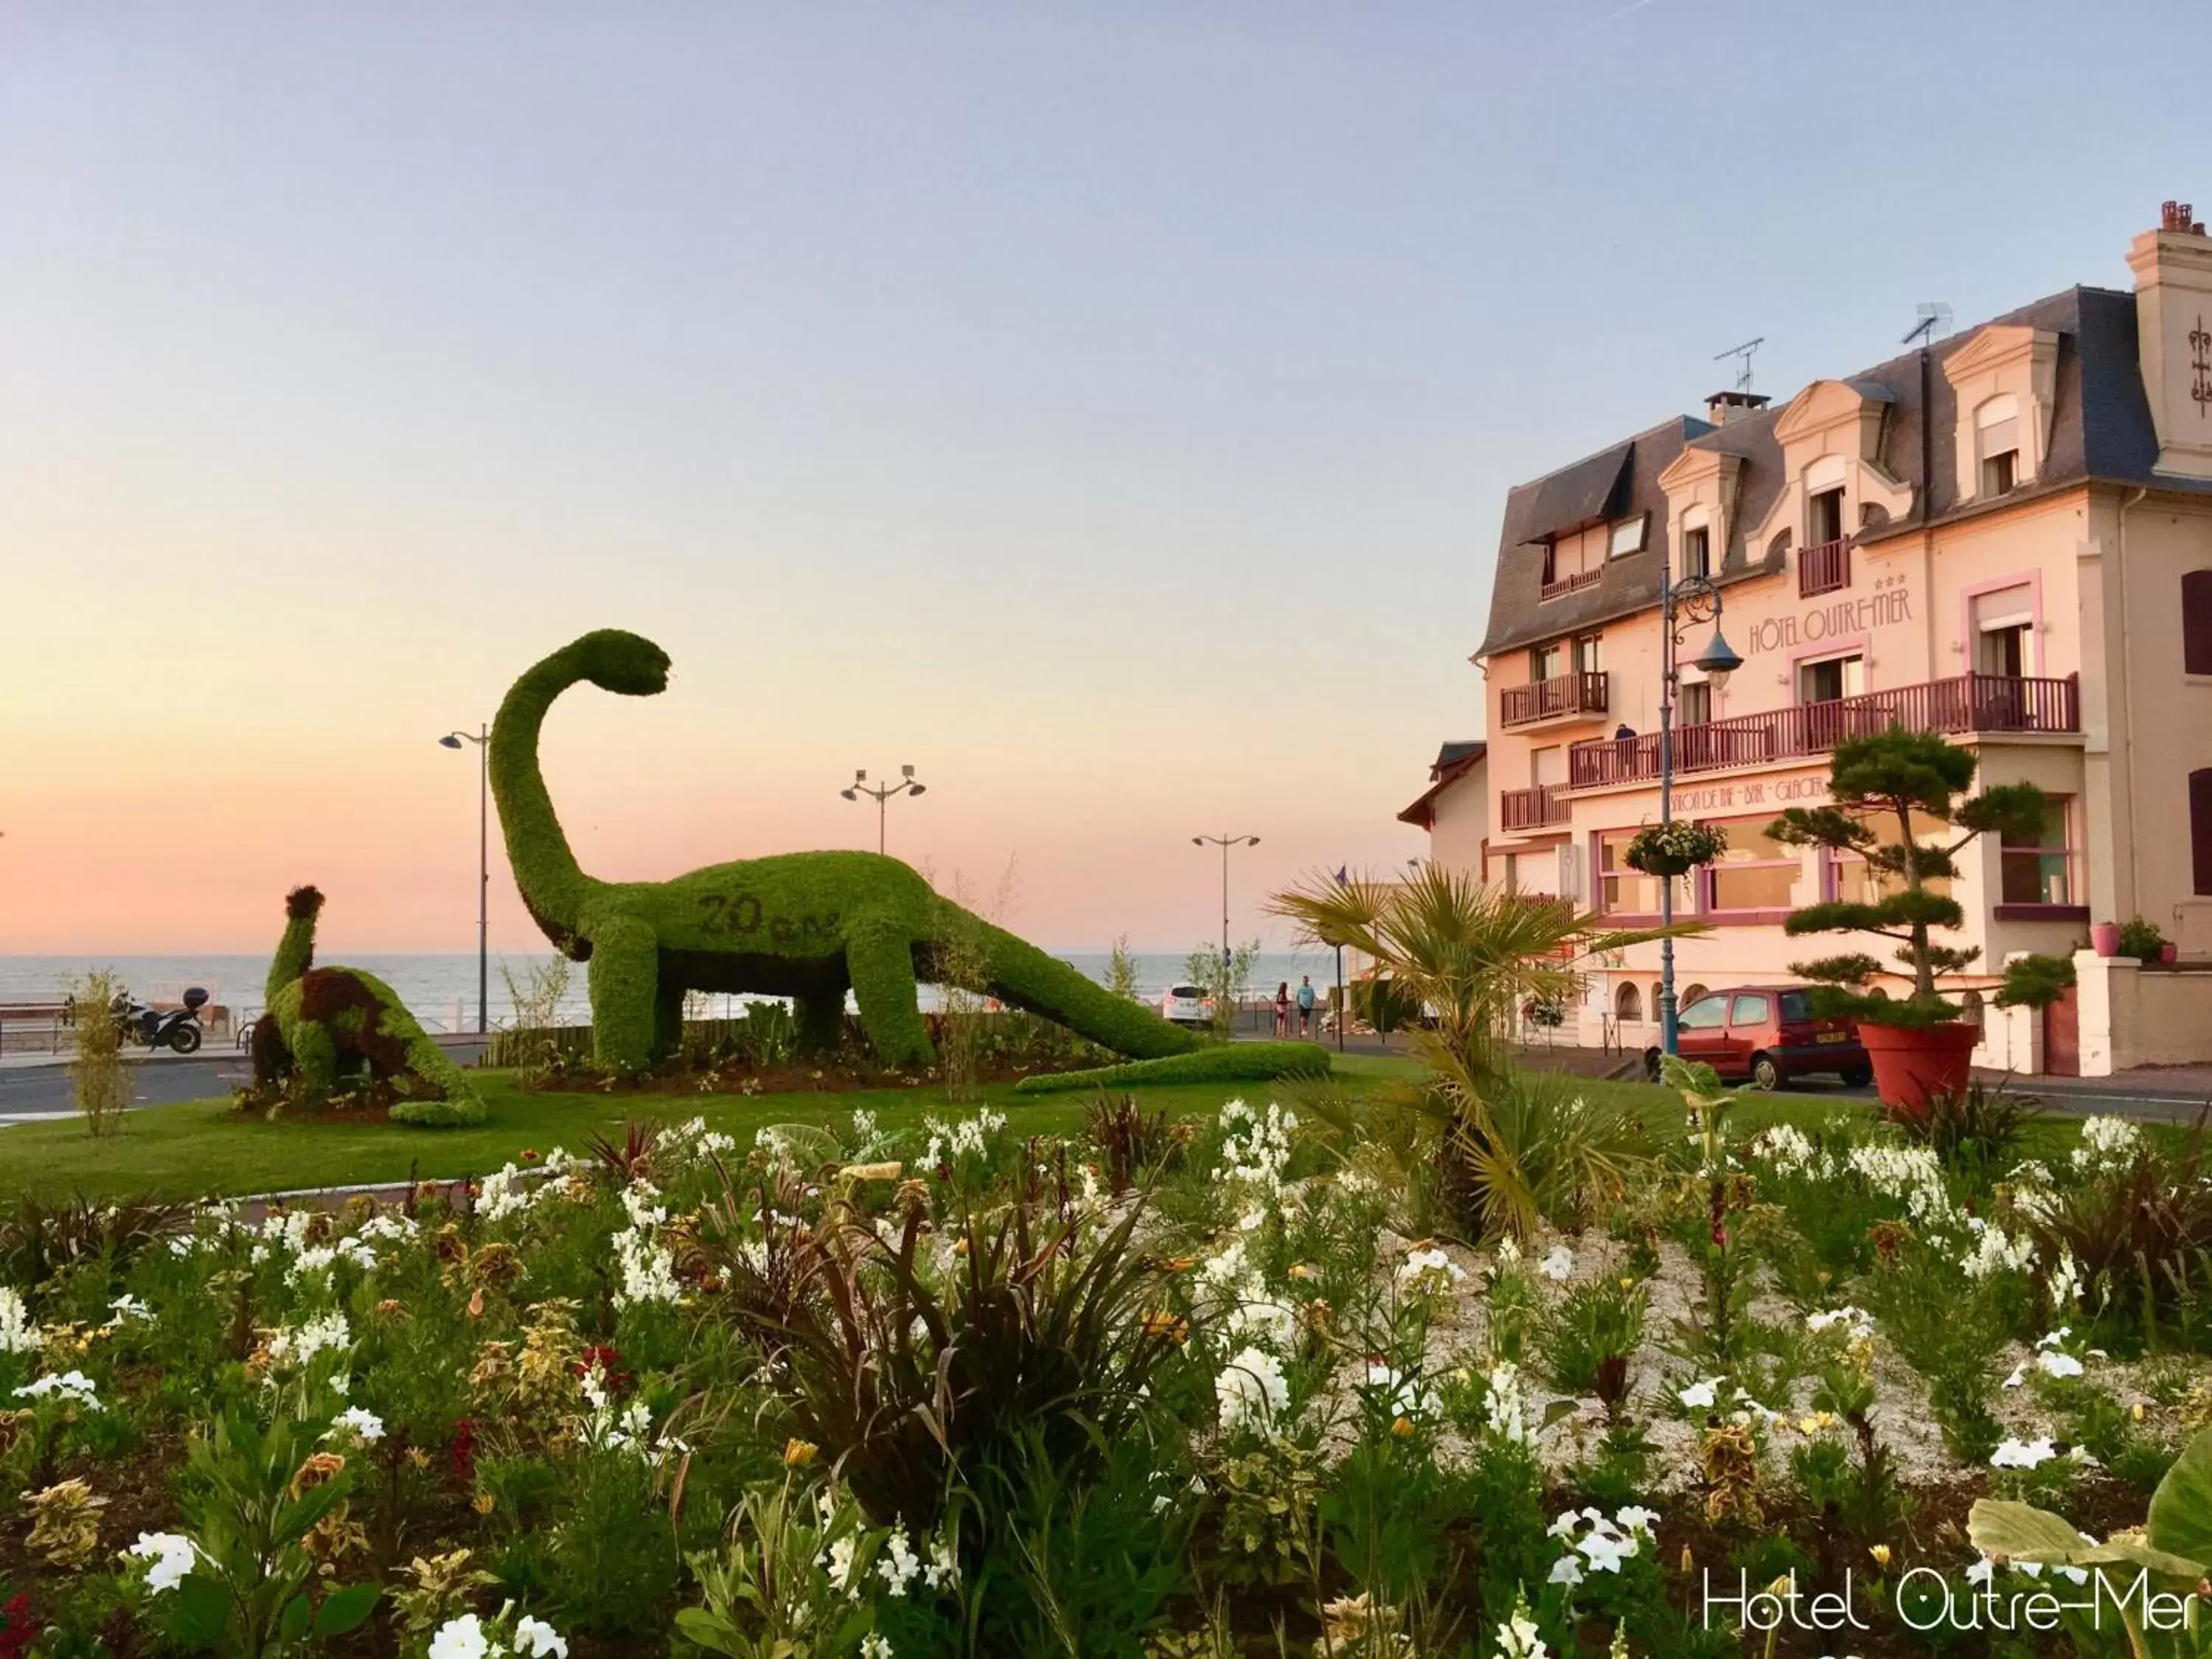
[
  {"x": 1823, "y": 517},
  {"x": 1698, "y": 551},
  {"x": 1997, "y": 441},
  {"x": 1627, "y": 535}
]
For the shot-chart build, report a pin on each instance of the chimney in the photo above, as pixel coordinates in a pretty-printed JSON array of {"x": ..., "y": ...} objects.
[
  {"x": 1725, "y": 406},
  {"x": 2172, "y": 267}
]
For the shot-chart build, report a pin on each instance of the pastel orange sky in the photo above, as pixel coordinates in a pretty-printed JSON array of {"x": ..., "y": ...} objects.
[{"x": 1106, "y": 409}]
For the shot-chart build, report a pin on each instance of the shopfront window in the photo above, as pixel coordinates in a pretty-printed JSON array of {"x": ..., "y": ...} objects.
[
  {"x": 1852, "y": 881},
  {"x": 2039, "y": 865},
  {"x": 1755, "y": 872},
  {"x": 1621, "y": 890}
]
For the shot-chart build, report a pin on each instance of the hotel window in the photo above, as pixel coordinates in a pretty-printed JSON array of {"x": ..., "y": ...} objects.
[
  {"x": 1996, "y": 440},
  {"x": 1587, "y": 648},
  {"x": 2004, "y": 624},
  {"x": 1754, "y": 872},
  {"x": 1825, "y": 518},
  {"x": 1831, "y": 678},
  {"x": 1694, "y": 703},
  {"x": 2196, "y": 622},
  {"x": 1698, "y": 551},
  {"x": 1622, "y": 891},
  {"x": 2039, "y": 867},
  {"x": 1627, "y": 535},
  {"x": 1547, "y": 767},
  {"x": 1546, "y": 661}
]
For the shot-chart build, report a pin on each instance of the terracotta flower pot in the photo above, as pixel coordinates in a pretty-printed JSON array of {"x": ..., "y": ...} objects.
[
  {"x": 1912, "y": 1064},
  {"x": 2105, "y": 938}
]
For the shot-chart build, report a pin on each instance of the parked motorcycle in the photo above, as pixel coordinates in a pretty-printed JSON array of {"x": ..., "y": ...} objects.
[{"x": 164, "y": 1028}]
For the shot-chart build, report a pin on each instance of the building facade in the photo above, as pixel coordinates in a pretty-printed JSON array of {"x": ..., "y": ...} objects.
[
  {"x": 1455, "y": 809},
  {"x": 2004, "y": 537}
]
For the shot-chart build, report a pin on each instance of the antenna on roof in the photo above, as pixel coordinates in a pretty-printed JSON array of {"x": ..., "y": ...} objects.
[
  {"x": 1935, "y": 322},
  {"x": 1743, "y": 351}
]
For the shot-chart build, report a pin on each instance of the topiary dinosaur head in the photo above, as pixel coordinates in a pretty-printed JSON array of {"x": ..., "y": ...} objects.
[
  {"x": 302, "y": 903},
  {"x": 625, "y": 663}
]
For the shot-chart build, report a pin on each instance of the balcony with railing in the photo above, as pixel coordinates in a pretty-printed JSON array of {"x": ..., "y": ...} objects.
[
  {"x": 1824, "y": 567},
  {"x": 1532, "y": 809},
  {"x": 1972, "y": 703},
  {"x": 1562, "y": 696},
  {"x": 1573, "y": 582}
]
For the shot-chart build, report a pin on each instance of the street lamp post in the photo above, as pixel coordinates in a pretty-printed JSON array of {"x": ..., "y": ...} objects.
[
  {"x": 1225, "y": 842},
  {"x": 880, "y": 793},
  {"x": 1683, "y": 601},
  {"x": 482, "y": 738}
]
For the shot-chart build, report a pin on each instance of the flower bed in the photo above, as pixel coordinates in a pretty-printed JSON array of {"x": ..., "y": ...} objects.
[{"x": 1156, "y": 1389}]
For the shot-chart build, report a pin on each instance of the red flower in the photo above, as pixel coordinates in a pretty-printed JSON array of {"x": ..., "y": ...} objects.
[
  {"x": 17, "y": 1627},
  {"x": 463, "y": 1449}
]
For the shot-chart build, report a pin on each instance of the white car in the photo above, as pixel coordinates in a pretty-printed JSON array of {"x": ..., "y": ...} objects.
[{"x": 1186, "y": 1005}]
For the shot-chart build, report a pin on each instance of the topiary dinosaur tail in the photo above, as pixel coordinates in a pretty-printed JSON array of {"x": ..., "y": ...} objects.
[
  {"x": 295, "y": 952},
  {"x": 1018, "y": 973}
]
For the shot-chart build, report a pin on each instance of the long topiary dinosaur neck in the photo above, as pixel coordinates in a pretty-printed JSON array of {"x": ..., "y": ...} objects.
[
  {"x": 553, "y": 883},
  {"x": 295, "y": 952}
]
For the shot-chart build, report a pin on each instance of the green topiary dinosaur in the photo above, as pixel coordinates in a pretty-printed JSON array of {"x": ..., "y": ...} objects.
[
  {"x": 808, "y": 926},
  {"x": 323, "y": 1025}
]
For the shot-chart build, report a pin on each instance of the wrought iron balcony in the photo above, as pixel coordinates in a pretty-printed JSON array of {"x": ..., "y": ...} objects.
[
  {"x": 1970, "y": 704},
  {"x": 1824, "y": 567},
  {"x": 1544, "y": 700},
  {"x": 1533, "y": 809}
]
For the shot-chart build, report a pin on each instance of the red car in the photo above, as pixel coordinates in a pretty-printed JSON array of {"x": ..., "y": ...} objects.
[{"x": 1767, "y": 1034}]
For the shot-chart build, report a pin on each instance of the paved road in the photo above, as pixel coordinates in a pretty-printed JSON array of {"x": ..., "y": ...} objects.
[{"x": 31, "y": 1092}]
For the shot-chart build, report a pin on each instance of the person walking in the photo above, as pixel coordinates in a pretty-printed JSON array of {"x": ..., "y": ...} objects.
[
  {"x": 1305, "y": 1005},
  {"x": 1283, "y": 1009}
]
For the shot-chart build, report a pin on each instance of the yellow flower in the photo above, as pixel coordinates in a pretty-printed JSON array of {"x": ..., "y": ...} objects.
[
  {"x": 1808, "y": 1426},
  {"x": 483, "y": 1503},
  {"x": 1880, "y": 1553},
  {"x": 1403, "y": 1428},
  {"x": 798, "y": 1454},
  {"x": 2136, "y": 1411},
  {"x": 1300, "y": 1270}
]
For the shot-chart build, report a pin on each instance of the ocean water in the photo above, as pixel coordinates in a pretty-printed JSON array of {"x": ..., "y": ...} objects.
[{"x": 441, "y": 988}]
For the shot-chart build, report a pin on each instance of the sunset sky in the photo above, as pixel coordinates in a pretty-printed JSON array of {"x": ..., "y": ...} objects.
[{"x": 1106, "y": 408}]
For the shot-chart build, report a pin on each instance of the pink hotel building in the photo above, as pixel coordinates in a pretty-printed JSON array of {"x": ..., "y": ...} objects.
[{"x": 2006, "y": 538}]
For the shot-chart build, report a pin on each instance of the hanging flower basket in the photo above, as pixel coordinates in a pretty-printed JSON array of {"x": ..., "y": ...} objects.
[{"x": 1671, "y": 849}]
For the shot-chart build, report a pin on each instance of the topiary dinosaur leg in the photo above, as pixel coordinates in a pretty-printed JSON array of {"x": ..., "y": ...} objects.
[
  {"x": 625, "y": 980},
  {"x": 881, "y": 962},
  {"x": 667, "y": 1018},
  {"x": 316, "y": 1051},
  {"x": 821, "y": 1020}
]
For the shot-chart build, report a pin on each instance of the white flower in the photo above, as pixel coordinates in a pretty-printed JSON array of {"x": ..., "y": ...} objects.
[
  {"x": 2108, "y": 1144},
  {"x": 944, "y": 1569},
  {"x": 1699, "y": 1396},
  {"x": 17, "y": 1333},
  {"x": 875, "y": 1645},
  {"x": 360, "y": 1423},
  {"x": 1429, "y": 1272},
  {"x": 1507, "y": 1406},
  {"x": 1559, "y": 1265},
  {"x": 2023, "y": 1454},
  {"x": 1509, "y": 1253},
  {"x": 2053, "y": 1362},
  {"x": 326, "y": 1332},
  {"x": 536, "y": 1639},
  {"x": 838, "y": 1560},
  {"x": 899, "y": 1567},
  {"x": 126, "y": 1307},
  {"x": 73, "y": 1386},
  {"x": 1637, "y": 1518},
  {"x": 2019, "y": 1376},
  {"x": 1251, "y": 1391},
  {"x": 172, "y": 1554},
  {"x": 461, "y": 1638},
  {"x": 1567, "y": 1571},
  {"x": 1517, "y": 1638}
]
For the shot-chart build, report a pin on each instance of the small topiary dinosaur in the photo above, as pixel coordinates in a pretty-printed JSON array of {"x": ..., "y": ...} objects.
[
  {"x": 808, "y": 926},
  {"x": 324, "y": 1024}
]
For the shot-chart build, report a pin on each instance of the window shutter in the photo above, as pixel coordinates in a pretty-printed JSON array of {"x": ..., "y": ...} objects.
[
  {"x": 2200, "y": 829},
  {"x": 2197, "y": 625},
  {"x": 1570, "y": 872}
]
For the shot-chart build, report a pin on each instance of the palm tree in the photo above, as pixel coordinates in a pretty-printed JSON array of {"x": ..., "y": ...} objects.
[{"x": 1471, "y": 957}]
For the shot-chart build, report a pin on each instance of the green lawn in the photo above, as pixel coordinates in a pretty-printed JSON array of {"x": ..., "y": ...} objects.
[{"x": 202, "y": 1148}]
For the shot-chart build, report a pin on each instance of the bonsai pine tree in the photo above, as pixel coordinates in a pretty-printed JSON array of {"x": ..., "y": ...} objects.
[{"x": 1877, "y": 783}]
